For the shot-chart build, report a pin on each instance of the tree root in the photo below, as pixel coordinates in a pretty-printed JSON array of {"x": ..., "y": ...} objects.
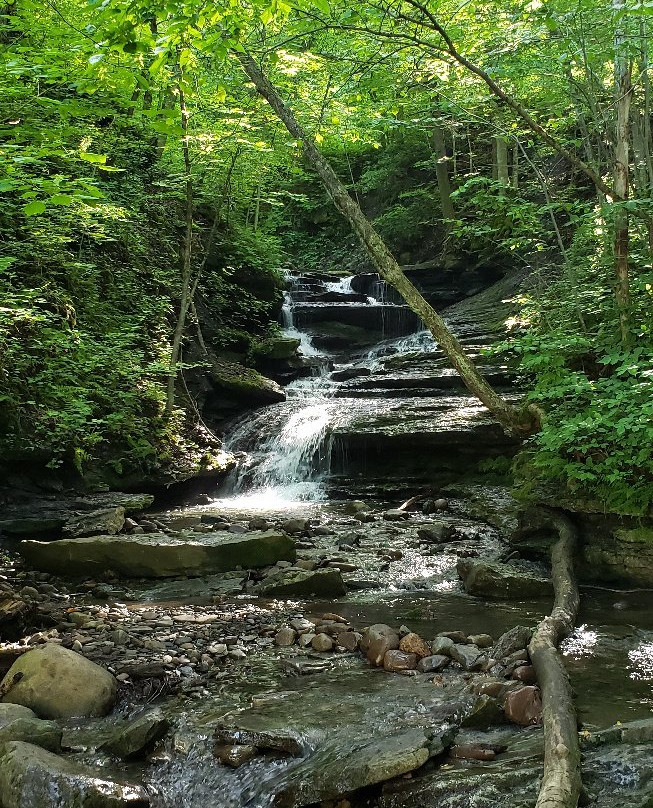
[{"x": 561, "y": 783}]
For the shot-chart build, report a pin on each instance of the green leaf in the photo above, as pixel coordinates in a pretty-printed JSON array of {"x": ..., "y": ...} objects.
[
  {"x": 61, "y": 199},
  {"x": 89, "y": 157},
  {"x": 34, "y": 208}
]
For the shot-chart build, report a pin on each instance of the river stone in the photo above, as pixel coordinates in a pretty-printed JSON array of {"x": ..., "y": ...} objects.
[
  {"x": 58, "y": 683},
  {"x": 265, "y": 740},
  {"x": 31, "y": 776},
  {"x": 355, "y": 506},
  {"x": 304, "y": 583},
  {"x": 18, "y": 723},
  {"x": 413, "y": 644},
  {"x": 481, "y": 640},
  {"x": 333, "y": 774},
  {"x": 395, "y": 515},
  {"x": 322, "y": 642},
  {"x": 348, "y": 640},
  {"x": 524, "y": 706},
  {"x": 491, "y": 579},
  {"x": 235, "y": 755},
  {"x": 484, "y": 713},
  {"x": 433, "y": 664},
  {"x": 525, "y": 674},
  {"x": 106, "y": 521},
  {"x": 295, "y": 526},
  {"x": 139, "y": 736},
  {"x": 397, "y": 661},
  {"x": 468, "y": 656},
  {"x": 442, "y": 645},
  {"x": 437, "y": 532},
  {"x": 511, "y": 641},
  {"x": 157, "y": 555},
  {"x": 377, "y": 641}
]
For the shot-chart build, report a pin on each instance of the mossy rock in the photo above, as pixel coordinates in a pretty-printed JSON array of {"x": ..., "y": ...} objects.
[
  {"x": 245, "y": 383},
  {"x": 277, "y": 348}
]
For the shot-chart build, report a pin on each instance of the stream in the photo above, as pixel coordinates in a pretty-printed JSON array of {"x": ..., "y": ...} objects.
[{"x": 374, "y": 416}]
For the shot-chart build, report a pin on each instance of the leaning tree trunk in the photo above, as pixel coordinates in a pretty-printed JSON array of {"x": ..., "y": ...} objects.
[
  {"x": 561, "y": 783},
  {"x": 519, "y": 421}
]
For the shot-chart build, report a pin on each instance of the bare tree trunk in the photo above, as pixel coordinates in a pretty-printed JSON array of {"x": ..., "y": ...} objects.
[
  {"x": 561, "y": 783},
  {"x": 521, "y": 422},
  {"x": 185, "y": 298},
  {"x": 501, "y": 156},
  {"x": 515, "y": 165},
  {"x": 623, "y": 91},
  {"x": 442, "y": 174}
]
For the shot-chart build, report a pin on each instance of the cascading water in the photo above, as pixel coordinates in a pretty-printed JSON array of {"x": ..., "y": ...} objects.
[{"x": 286, "y": 446}]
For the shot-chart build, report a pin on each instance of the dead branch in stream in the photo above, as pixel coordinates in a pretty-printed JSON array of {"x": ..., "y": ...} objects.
[{"x": 561, "y": 783}]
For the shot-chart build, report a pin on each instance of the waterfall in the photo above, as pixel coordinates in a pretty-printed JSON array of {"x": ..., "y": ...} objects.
[{"x": 286, "y": 447}]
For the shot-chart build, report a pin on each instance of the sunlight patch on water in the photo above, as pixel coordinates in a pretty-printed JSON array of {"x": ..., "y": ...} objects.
[
  {"x": 581, "y": 643},
  {"x": 641, "y": 660}
]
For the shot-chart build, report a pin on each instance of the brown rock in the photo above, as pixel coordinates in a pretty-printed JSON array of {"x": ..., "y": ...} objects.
[
  {"x": 414, "y": 644},
  {"x": 235, "y": 755},
  {"x": 322, "y": 642},
  {"x": 525, "y": 674},
  {"x": 524, "y": 706},
  {"x": 378, "y": 641},
  {"x": 473, "y": 752},
  {"x": 397, "y": 661},
  {"x": 493, "y": 689},
  {"x": 458, "y": 637},
  {"x": 285, "y": 636},
  {"x": 348, "y": 640}
]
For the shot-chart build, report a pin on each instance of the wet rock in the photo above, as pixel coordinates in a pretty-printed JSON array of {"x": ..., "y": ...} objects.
[
  {"x": 433, "y": 664},
  {"x": 398, "y": 661},
  {"x": 139, "y": 736},
  {"x": 484, "y": 713},
  {"x": 458, "y": 637},
  {"x": 29, "y": 592},
  {"x": 524, "y": 706},
  {"x": 18, "y": 723},
  {"x": 30, "y": 775},
  {"x": 468, "y": 656},
  {"x": 232, "y": 380},
  {"x": 367, "y": 762},
  {"x": 377, "y": 641},
  {"x": 304, "y": 583},
  {"x": 58, "y": 683},
  {"x": 478, "y": 751},
  {"x": 322, "y": 642},
  {"x": 437, "y": 532},
  {"x": 525, "y": 674},
  {"x": 305, "y": 667},
  {"x": 355, "y": 506},
  {"x": 159, "y": 555},
  {"x": 306, "y": 564},
  {"x": 513, "y": 640},
  {"x": 492, "y": 579},
  {"x": 235, "y": 755},
  {"x": 442, "y": 646},
  {"x": 266, "y": 740},
  {"x": 412, "y": 643},
  {"x": 295, "y": 526},
  {"x": 258, "y": 523},
  {"x": 395, "y": 515}
]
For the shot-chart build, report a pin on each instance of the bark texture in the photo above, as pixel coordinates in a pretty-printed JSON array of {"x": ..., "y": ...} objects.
[
  {"x": 517, "y": 421},
  {"x": 561, "y": 783}
]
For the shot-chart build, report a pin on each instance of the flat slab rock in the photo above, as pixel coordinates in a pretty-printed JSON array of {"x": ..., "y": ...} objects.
[
  {"x": 304, "y": 583},
  {"x": 383, "y": 727},
  {"x": 157, "y": 555}
]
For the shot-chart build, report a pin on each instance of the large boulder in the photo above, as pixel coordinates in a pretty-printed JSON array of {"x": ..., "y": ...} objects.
[
  {"x": 18, "y": 723},
  {"x": 57, "y": 683},
  {"x": 157, "y": 555},
  {"x": 31, "y": 776},
  {"x": 277, "y": 348},
  {"x": 491, "y": 579},
  {"x": 304, "y": 583},
  {"x": 244, "y": 383}
]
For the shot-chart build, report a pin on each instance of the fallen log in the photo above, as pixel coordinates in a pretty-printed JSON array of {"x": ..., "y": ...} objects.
[{"x": 561, "y": 782}]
